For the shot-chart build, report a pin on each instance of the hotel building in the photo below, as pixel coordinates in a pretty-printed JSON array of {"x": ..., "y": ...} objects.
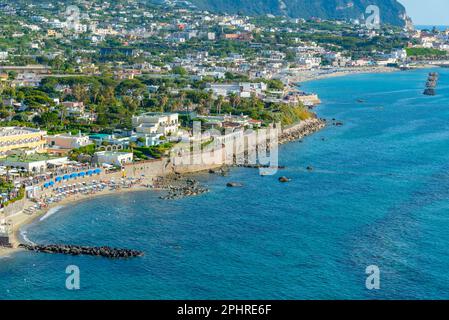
[
  {"x": 12, "y": 138},
  {"x": 155, "y": 122}
]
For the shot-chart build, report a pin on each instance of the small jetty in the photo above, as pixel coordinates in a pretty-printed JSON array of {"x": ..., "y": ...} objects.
[
  {"x": 106, "y": 252},
  {"x": 431, "y": 84}
]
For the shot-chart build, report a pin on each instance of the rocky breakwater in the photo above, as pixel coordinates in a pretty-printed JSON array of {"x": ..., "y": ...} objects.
[
  {"x": 178, "y": 187},
  {"x": 106, "y": 252},
  {"x": 301, "y": 130},
  {"x": 257, "y": 166}
]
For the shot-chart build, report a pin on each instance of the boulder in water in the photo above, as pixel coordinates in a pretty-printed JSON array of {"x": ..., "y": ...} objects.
[
  {"x": 234, "y": 185},
  {"x": 284, "y": 179}
]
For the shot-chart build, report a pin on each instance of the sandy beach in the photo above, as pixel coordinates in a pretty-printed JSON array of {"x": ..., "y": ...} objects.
[
  {"x": 312, "y": 75},
  {"x": 109, "y": 187},
  {"x": 22, "y": 218}
]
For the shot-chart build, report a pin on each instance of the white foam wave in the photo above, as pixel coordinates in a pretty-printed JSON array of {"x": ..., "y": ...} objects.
[
  {"x": 23, "y": 235},
  {"x": 50, "y": 212}
]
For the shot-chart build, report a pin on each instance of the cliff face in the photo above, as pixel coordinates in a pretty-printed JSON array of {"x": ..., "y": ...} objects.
[{"x": 391, "y": 11}]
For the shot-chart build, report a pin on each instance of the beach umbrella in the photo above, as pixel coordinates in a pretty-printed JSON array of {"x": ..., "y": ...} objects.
[
  {"x": 82, "y": 174},
  {"x": 51, "y": 183},
  {"x": 90, "y": 172},
  {"x": 58, "y": 179},
  {"x": 66, "y": 177},
  {"x": 46, "y": 185},
  {"x": 97, "y": 171}
]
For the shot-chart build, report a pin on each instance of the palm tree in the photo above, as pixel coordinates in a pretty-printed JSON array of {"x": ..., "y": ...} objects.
[
  {"x": 210, "y": 99},
  {"x": 201, "y": 109},
  {"x": 234, "y": 99},
  {"x": 164, "y": 102},
  {"x": 80, "y": 92},
  {"x": 219, "y": 104}
]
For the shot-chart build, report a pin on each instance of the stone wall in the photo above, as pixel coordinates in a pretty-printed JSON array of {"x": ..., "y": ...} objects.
[
  {"x": 15, "y": 207},
  {"x": 206, "y": 160}
]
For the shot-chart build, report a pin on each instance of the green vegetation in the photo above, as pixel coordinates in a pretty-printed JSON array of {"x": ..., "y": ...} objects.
[
  {"x": 87, "y": 150},
  {"x": 20, "y": 196},
  {"x": 153, "y": 152},
  {"x": 6, "y": 186},
  {"x": 324, "y": 9},
  {"x": 290, "y": 114},
  {"x": 425, "y": 52}
]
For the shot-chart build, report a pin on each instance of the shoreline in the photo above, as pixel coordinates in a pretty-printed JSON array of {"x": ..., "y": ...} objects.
[
  {"x": 22, "y": 219},
  {"x": 314, "y": 75}
]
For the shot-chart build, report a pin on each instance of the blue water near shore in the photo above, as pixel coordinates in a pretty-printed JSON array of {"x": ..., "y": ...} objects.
[{"x": 378, "y": 195}]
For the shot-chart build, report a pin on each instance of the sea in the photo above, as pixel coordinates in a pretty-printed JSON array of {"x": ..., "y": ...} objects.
[
  {"x": 376, "y": 199},
  {"x": 431, "y": 27}
]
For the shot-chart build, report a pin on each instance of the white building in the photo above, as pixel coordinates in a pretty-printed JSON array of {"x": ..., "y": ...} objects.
[
  {"x": 3, "y": 55},
  {"x": 155, "y": 122},
  {"x": 113, "y": 158},
  {"x": 148, "y": 140},
  {"x": 68, "y": 141},
  {"x": 33, "y": 163},
  {"x": 309, "y": 62},
  {"x": 400, "y": 54},
  {"x": 243, "y": 89}
]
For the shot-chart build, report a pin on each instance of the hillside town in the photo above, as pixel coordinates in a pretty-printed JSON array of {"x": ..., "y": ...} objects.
[{"x": 96, "y": 85}]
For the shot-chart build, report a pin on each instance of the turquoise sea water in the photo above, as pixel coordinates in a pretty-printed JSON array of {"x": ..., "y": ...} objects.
[{"x": 378, "y": 195}]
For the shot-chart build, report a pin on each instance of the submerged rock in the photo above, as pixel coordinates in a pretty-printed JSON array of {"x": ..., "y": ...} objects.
[
  {"x": 284, "y": 179},
  {"x": 234, "y": 185}
]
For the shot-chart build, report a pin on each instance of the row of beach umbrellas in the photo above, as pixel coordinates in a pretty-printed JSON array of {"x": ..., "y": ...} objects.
[{"x": 71, "y": 176}]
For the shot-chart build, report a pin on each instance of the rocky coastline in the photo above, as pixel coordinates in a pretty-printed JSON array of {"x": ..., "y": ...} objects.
[
  {"x": 174, "y": 185},
  {"x": 301, "y": 130}
]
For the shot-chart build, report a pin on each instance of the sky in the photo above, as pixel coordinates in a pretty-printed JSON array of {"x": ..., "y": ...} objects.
[{"x": 428, "y": 12}]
